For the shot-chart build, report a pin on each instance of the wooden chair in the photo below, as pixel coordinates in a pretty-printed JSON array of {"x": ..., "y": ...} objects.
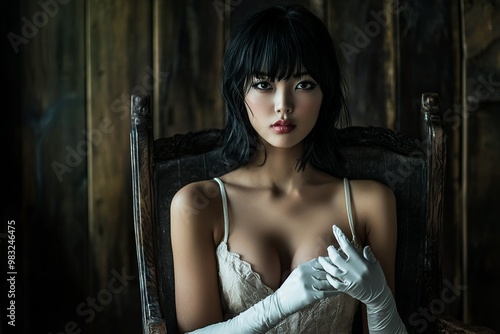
[{"x": 413, "y": 168}]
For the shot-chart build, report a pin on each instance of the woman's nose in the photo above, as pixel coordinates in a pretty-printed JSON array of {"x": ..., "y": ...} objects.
[{"x": 283, "y": 101}]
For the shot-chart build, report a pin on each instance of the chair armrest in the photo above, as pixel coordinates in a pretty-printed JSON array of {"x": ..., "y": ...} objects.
[{"x": 450, "y": 325}]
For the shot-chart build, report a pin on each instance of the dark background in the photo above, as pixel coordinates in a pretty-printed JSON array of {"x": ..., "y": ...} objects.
[{"x": 71, "y": 65}]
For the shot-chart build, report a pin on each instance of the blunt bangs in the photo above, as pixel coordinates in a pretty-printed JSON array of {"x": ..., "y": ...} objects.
[{"x": 281, "y": 47}]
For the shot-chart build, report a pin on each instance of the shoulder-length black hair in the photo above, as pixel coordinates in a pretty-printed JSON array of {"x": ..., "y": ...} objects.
[{"x": 280, "y": 41}]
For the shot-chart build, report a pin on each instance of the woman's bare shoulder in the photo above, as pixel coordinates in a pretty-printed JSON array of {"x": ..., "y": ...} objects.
[
  {"x": 371, "y": 190},
  {"x": 198, "y": 205},
  {"x": 199, "y": 195},
  {"x": 374, "y": 201}
]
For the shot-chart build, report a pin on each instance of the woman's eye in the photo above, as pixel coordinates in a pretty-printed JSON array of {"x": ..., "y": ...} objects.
[
  {"x": 262, "y": 85},
  {"x": 306, "y": 85}
]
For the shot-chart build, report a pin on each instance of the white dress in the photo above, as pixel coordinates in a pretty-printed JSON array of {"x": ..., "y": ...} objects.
[{"x": 241, "y": 288}]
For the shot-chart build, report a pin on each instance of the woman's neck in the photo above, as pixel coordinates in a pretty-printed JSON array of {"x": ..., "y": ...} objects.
[{"x": 276, "y": 168}]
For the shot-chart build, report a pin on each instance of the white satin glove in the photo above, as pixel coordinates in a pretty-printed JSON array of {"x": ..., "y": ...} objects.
[
  {"x": 362, "y": 278},
  {"x": 305, "y": 285}
]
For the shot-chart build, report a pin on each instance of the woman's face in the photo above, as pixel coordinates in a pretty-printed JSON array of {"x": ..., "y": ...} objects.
[{"x": 283, "y": 112}]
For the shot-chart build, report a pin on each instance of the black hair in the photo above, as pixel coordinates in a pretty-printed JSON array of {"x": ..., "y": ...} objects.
[{"x": 279, "y": 41}]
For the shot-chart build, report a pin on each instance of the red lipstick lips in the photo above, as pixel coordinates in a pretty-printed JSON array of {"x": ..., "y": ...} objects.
[{"x": 283, "y": 126}]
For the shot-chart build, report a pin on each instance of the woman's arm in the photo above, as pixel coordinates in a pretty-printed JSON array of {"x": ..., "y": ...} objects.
[
  {"x": 197, "y": 296},
  {"x": 379, "y": 213}
]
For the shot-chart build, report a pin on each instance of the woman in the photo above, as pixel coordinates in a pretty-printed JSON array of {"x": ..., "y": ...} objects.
[{"x": 251, "y": 259}]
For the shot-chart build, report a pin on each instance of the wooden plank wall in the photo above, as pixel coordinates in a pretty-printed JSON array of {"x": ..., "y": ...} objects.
[
  {"x": 480, "y": 118},
  {"x": 77, "y": 68},
  {"x": 54, "y": 168},
  {"x": 81, "y": 62},
  {"x": 367, "y": 45},
  {"x": 188, "y": 49},
  {"x": 119, "y": 63}
]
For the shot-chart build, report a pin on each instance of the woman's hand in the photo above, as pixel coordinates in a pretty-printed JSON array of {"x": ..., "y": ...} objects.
[
  {"x": 306, "y": 284},
  {"x": 362, "y": 277}
]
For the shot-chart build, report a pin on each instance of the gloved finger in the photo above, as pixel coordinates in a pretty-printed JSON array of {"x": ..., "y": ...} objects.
[
  {"x": 313, "y": 268},
  {"x": 319, "y": 274},
  {"x": 320, "y": 283},
  {"x": 309, "y": 266},
  {"x": 313, "y": 272},
  {"x": 344, "y": 243},
  {"x": 330, "y": 268},
  {"x": 324, "y": 290},
  {"x": 325, "y": 258},
  {"x": 315, "y": 265},
  {"x": 368, "y": 254},
  {"x": 337, "y": 284},
  {"x": 338, "y": 259}
]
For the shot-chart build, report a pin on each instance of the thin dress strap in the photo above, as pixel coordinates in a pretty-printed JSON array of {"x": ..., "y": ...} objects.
[
  {"x": 347, "y": 191},
  {"x": 224, "y": 207}
]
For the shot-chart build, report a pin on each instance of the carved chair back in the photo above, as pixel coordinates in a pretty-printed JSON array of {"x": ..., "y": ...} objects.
[{"x": 412, "y": 168}]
